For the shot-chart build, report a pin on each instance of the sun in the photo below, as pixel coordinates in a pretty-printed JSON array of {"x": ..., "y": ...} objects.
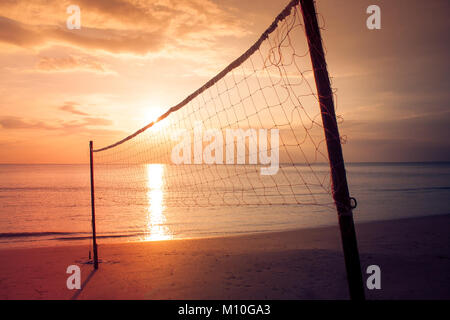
[{"x": 151, "y": 114}]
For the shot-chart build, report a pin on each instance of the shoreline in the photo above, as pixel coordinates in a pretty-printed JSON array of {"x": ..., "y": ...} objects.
[
  {"x": 230, "y": 235},
  {"x": 413, "y": 254}
]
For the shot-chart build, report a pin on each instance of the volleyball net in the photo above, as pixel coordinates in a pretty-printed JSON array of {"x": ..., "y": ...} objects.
[
  {"x": 260, "y": 136},
  {"x": 252, "y": 135}
]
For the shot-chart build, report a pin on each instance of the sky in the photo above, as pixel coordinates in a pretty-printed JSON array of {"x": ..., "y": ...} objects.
[{"x": 133, "y": 59}]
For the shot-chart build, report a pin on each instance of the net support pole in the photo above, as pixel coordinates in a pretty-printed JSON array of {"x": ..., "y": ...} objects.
[
  {"x": 94, "y": 236},
  {"x": 339, "y": 180}
]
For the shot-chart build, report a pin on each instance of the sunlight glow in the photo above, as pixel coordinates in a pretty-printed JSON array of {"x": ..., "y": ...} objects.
[
  {"x": 157, "y": 230},
  {"x": 151, "y": 114}
]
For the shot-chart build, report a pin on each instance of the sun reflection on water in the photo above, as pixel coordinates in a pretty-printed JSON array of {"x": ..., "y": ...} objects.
[{"x": 156, "y": 228}]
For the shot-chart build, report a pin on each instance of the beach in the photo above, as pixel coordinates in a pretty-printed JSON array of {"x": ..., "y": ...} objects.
[{"x": 413, "y": 255}]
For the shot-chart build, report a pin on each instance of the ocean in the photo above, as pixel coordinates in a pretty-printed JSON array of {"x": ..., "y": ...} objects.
[{"x": 49, "y": 205}]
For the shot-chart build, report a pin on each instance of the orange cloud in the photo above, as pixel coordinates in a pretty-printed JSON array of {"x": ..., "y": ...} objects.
[
  {"x": 115, "y": 41},
  {"x": 117, "y": 26},
  {"x": 15, "y": 123},
  {"x": 19, "y": 123},
  {"x": 70, "y": 107},
  {"x": 70, "y": 63}
]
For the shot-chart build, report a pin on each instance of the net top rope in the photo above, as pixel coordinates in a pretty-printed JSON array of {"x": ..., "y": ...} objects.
[{"x": 236, "y": 63}]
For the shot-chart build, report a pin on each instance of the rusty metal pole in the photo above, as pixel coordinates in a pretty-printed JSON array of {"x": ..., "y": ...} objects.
[
  {"x": 94, "y": 236},
  {"x": 339, "y": 180}
]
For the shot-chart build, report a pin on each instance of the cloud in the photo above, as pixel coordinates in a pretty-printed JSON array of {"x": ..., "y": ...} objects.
[
  {"x": 70, "y": 63},
  {"x": 19, "y": 123},
  {"x": 16, "y": 33},
  {"x": 115, "y": 41},
  {"x": 70, "y": 107},
  {"x": 129, "y": 11},
  {"x": 75, "y": 126},
  {"x": 97, "y": 121},
  {"x": 118, "y": 26}
]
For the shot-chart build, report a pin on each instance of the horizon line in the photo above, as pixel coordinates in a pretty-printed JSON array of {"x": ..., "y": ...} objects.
[{"x": 281, "y": 163}]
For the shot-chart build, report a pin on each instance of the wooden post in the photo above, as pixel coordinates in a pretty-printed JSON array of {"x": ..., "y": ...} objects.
[
  {"x": 94, "y": 239},
  {"x": 339, "y": 181}
]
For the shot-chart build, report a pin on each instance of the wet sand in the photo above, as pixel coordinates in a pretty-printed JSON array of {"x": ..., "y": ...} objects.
[{"x": 413, "y": 254}]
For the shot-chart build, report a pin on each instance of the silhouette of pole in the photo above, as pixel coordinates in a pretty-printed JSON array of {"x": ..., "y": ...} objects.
[
  {"x": 338, "y": 176},
  {"x": 94, "y": 239}
]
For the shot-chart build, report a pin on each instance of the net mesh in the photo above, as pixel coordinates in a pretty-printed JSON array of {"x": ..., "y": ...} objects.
[{"x": 250, "y": 137}]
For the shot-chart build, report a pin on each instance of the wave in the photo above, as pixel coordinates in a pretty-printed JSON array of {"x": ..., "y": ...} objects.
[
  {"x": 65, "y": 236},
  {"x": 34, "y": 234},
  {"x": 108, "y": 236},
  {"x": 42, "y": 188},
  {"x": 413, "y": 189}
]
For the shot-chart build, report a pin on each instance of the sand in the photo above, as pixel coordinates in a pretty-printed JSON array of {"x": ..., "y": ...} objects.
[{"x": 413, "y": 254}]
